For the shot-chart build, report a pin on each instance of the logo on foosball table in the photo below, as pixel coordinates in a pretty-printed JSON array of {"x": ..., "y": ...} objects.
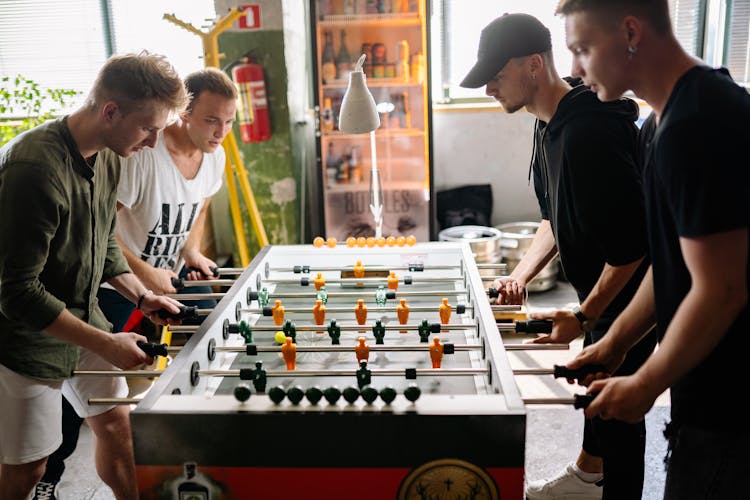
[{"x": 448, "y": 479}]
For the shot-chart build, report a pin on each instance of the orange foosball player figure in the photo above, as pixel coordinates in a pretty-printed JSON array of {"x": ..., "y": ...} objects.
[
  {"x": 289, "y": 351},
  {"x": 392, "y": 281},
  {"x": 359, "y": 270},
  {"x": 278, "y": 313},
  {"x": 362, "y": 350},
  {"x": 436, "y": 352},
  {"x": 402, "y": 310},
  {"x": 319, "y": 312},
  {"x": 319, "y": 282},
  {"x": 445, "y": 312},
  {"x": 361, "y": 312}
]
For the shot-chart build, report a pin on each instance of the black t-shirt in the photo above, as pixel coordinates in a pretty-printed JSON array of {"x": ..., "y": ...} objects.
[
  {"x": 696, "y": 183},
  {"x": 587, "y": 184}
]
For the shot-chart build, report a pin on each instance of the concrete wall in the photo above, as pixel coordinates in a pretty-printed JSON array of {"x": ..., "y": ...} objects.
[{"x": 486, "y": 145}]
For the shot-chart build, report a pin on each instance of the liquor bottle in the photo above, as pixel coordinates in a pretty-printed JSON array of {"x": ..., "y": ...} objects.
[
  {"x": 406, "y": 111},
  {"x": 355, "y": 162},
  {"x": 326, "y": 116},
  {"x": 396, "y": 117},
  {"x": 343, "y": 59},
  {"x": 332, "y": 165},
  {"x": 329, "y": 62}
]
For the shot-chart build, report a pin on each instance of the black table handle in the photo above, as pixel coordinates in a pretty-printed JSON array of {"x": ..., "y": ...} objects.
[{"x": 153, "y": 349}]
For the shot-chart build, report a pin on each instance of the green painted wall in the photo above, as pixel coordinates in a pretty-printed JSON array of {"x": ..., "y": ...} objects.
[{"x": 269, "y": 164}]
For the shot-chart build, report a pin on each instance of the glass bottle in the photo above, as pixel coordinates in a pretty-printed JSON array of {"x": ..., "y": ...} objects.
[
  {"x": 329, "y": 62},
  {"x": 343, "y": 59},
  {"x": 406, "y": 111},
  {"x": 326, "y": 116}
]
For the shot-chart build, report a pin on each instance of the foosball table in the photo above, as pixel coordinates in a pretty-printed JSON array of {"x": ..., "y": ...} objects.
[{"x": 343, "y": 372}]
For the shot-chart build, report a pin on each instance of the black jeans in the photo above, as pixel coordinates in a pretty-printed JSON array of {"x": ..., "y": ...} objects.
[
  {"x": 620, "y": 445},
  {"x": 707, "y": 464}
]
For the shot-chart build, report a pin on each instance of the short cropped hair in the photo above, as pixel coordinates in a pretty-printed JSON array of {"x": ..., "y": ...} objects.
[
  {"x": 209, "y": 80},
  {"x": 656, "y": 12},
  {"x": 135, "y": 81}
]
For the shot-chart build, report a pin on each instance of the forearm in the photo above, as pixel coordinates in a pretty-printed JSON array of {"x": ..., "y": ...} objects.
[
  {"x": 69, "y": 328},
  {"x": 610, "y": 283},
  {"x": 542, "y": 250},
  {"x": 637, "y": 319},
  {"x": 697, "y": 327},
  {"x": 129, "y": 286}
]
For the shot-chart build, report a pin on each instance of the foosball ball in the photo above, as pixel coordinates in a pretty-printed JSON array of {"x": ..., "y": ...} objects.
[{"x": 335, "y": 371}]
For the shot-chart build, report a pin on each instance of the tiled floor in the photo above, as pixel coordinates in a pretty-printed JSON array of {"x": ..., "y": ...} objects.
[{"x": 553, "y": 436}]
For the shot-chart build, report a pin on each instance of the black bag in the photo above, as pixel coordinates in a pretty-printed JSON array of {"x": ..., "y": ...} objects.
[{"x": 465, "y": 206}]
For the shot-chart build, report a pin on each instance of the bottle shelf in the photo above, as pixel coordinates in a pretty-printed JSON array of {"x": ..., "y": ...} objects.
[
  {"x": 380, "y": 133},
  {"x": 372, "y": 82},
  {"x": 390, "y": 20},
  {"x": 365, "y": 186}
]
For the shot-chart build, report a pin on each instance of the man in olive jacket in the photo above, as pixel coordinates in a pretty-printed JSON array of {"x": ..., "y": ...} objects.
[{"x": 58, "y": 201}]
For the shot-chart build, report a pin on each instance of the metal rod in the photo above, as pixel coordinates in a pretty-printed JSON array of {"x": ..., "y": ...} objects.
[
  {"x": 420, "y": 293},
  {"x": 548, "y": 401},
  {"x": 369, "y": 268},
  {"x": 216, "y": 282},
  {"x": 183, "y": 328},
  {"x": 344, "y": 348},
  {"x": 533, "y": 371},
  {"x": 506, "y": 308},
  {"x": 371, "y": 309},
  {"x": 351, "y": 328},
  {"x": 537, "y": 347},
  {"x": 114, "y": 401},
  {"x": 355, "y": 281},
  {"x": 500, "y": 267},
  {"x": 230, "y": 270},
  {"x": 350, "y": 373},
  {"x": 195, "y": 296},
  {"x": 117, "y": 373}
]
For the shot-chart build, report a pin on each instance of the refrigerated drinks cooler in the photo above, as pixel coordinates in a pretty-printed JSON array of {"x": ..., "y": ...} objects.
[{"x": 394, "y": 36}]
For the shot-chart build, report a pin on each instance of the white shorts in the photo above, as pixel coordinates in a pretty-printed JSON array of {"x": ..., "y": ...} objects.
[{"x": 31, "y": 415}]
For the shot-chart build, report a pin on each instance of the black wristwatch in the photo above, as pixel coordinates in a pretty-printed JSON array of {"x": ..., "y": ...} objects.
[{"x": 587, "y": 324}]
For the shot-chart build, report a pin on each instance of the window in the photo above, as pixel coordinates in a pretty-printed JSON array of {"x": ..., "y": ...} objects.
[
  {"x": 736, "y": 48},
  {"x": 56, "y": 44},
  {"x": 718, "y": 31},
  {"x": 456, "y": 25},
  {"x": 63, "y": 44}
]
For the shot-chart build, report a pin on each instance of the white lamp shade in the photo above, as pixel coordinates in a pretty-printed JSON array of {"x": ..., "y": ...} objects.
[{"x": 358, "y": 114}]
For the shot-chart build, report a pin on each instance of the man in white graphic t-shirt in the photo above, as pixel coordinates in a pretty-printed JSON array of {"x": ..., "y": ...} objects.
[{"x": 162, "y": 202}]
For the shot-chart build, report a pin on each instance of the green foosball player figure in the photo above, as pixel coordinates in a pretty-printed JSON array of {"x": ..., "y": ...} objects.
[
  {"x": 380, "y": 296},
  {"x": 334, "y": 331},
  {"x": 322, "y": 295},
  {"x": 364, "y": 376},
  {"x": 246, "y": 332},
  {"x": 263, "y": 297},
  {"x": 378, "y": 330},
  {"x": 424, "y": 331},
  {"x": 259, "y": 377},
  {"x": 290, "y": 330}
]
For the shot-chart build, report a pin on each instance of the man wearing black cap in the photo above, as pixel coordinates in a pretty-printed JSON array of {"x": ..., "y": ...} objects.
[{"x": 587, "y": 183}]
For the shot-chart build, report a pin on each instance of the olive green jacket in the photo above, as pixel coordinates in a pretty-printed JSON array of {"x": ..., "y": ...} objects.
[{"x": 57, "y": 244}]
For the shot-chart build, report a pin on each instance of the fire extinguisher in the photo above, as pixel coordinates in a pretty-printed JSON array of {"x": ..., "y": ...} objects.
[{"x": 252, "y": 107}]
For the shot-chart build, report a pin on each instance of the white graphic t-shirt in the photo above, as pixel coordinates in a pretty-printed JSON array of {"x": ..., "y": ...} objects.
[{"x": 160, "y": 205}]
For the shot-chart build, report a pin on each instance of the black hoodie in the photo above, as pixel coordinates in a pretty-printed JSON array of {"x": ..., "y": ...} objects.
[{"x": 587, "y": 182}]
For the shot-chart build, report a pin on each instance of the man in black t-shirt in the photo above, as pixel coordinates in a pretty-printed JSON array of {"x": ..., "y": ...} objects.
[
  {"x": 697, "y": 194},
  {"x": 591, "y": 201}
]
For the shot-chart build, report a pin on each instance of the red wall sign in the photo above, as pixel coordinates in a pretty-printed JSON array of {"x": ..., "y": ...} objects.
[{"x": 251, "y": 19}]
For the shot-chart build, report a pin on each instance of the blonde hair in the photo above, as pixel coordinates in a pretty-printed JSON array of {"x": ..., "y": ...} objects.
[
  {"x": 135, "y": 81},
  {"x": 209, "y": 80}
]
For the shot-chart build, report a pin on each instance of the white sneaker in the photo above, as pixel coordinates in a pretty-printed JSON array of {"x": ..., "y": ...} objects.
[
  {"x": 566, "y": 485},
  {"x": 45, "y": 491}
]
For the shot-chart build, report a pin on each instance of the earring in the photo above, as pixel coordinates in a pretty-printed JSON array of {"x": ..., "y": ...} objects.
[
  {"x": 632, "y": 51},
  {"x": 533, "y": 76}
]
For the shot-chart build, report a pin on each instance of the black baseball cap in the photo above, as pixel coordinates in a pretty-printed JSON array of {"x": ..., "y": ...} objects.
[{"x": 508, "y": 36}]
